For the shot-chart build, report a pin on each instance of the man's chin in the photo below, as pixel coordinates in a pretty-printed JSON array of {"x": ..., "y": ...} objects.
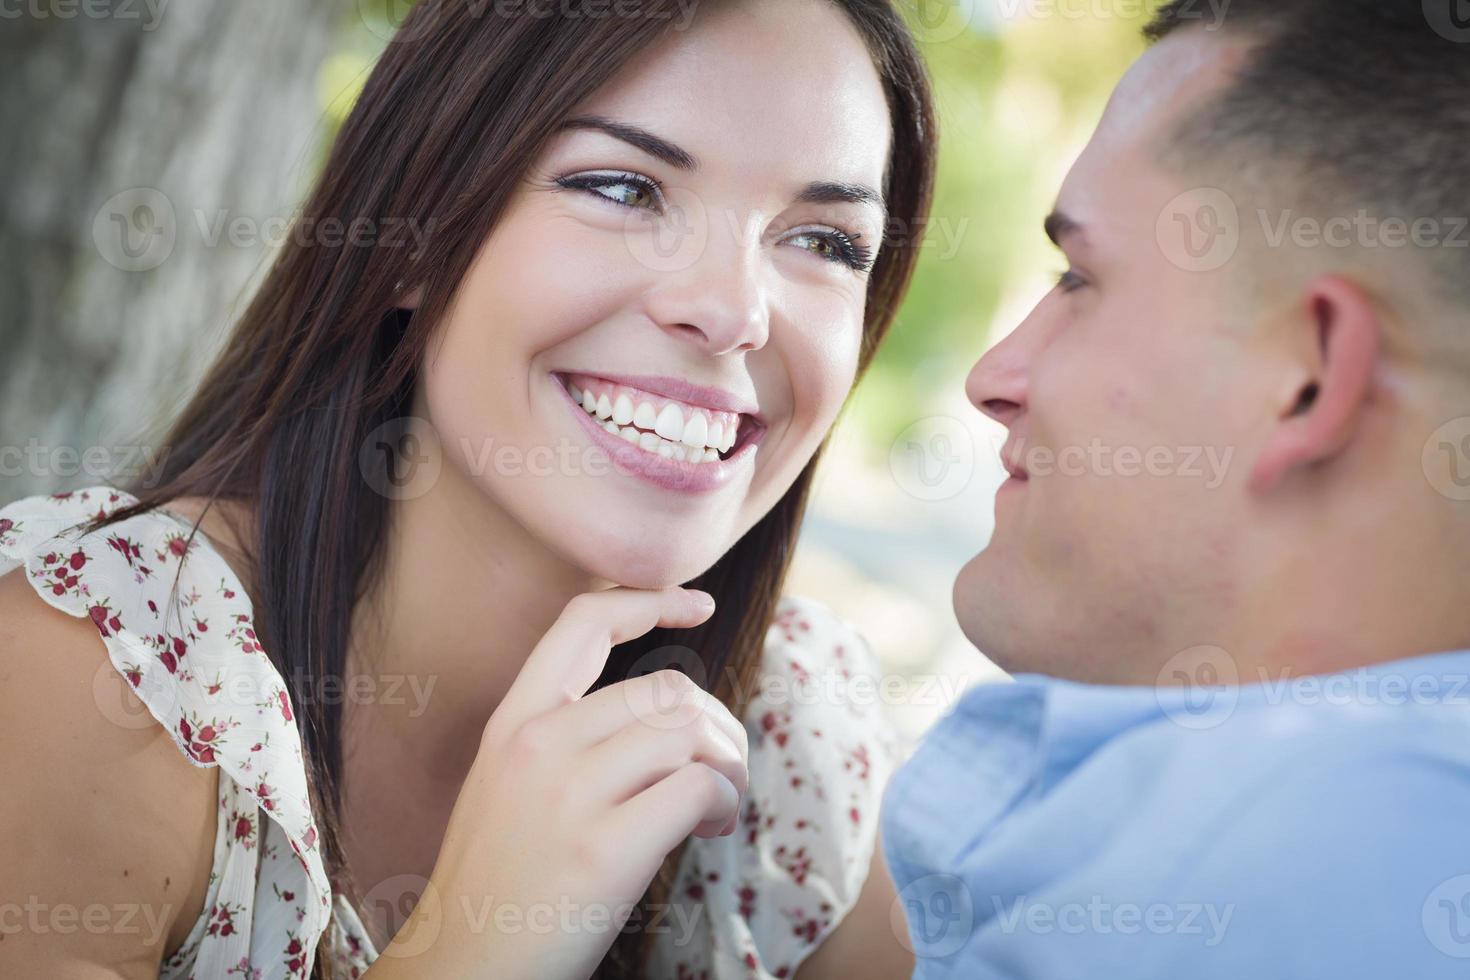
[
  {"x": 1000, "y": 616},
  {"x": 982, "y": 608}
]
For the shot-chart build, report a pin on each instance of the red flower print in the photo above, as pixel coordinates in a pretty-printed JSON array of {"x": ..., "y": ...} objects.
[
  {"x": 285, "y": 704},
  {"x": 6, "y": 525},
  {"x": 747, "y": 896},
  {"x": 797, "y": 864}
]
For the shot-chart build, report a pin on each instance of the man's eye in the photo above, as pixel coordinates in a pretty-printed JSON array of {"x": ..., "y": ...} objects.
[
  {"x": 628, "y": 190},
  {"x": 1069, "y": 281}
]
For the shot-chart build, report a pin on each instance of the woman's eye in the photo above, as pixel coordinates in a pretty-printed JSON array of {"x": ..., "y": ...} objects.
[
  {"x": 836, "y": 246},
  {"x": 628, "y": 190}
]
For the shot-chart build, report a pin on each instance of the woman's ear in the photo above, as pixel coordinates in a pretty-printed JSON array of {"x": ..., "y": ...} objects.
[{"x": 1325, "y": 410}]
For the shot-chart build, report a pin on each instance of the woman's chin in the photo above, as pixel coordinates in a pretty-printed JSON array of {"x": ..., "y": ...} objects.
[{"x": 639, "y": 566}]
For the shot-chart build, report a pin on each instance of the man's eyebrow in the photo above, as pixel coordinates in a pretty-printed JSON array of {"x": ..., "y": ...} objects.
[
  {"x": 1059, "y": 226},
  {"x": 655, "y": 146},
  {"x": 838, "y": 192}
]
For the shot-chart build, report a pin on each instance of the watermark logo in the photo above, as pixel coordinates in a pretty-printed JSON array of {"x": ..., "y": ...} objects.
[
  {"x": 130, "y": 711},
  {"x": 395, "y": 899},
  {"x": 136, "y": 229},
  {"x": 1198, "y": 688},
  {"x": 934, "y": 916},
  {"x": 938, "y": 21},
  {"x": 666, "y": 702},
  {"x": 1447, "y": 459},
  {"x": 933, "y": 459},
  {"x": 1449, "y": 18},
  {"x": 148, "y": 12},
  {"x": 1199, "y": 231},
  {"x": 389, "y": 20},
  {"x": 401, "y": 459},
  {"x": 670, "y": 240},
  {"x": 1446, "y": 917}
]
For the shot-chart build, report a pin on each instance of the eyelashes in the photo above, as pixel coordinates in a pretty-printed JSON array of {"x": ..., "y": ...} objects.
[
  {"x": 600, "y": 183},
  {"x": 829, "y": 244},
  {"x": 843, "y": 248}
]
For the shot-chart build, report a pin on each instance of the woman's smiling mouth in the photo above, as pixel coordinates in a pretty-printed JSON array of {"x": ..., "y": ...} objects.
[{"x": 675, "y": 434}]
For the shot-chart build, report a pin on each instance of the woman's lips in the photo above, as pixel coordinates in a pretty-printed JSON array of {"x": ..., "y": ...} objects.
[{"x": 658, "y": 465}]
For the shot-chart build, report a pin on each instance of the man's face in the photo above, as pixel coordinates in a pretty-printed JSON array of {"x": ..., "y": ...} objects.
[{"x": 1132, "y": 409}]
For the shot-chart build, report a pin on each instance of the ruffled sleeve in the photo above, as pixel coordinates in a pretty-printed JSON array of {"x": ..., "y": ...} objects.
[
  {"x": 754, "y": 905},
  {"x": 178, "y": 627}
]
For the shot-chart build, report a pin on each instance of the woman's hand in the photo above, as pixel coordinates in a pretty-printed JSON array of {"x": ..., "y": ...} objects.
[{"x": 573, "y": 802}]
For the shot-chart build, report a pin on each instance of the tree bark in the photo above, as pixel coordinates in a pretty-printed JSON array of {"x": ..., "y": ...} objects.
[{"x": 133, "y": 133}]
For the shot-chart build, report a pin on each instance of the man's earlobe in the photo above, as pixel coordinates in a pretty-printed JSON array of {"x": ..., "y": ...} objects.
[{"x": 1326, "y": 411}]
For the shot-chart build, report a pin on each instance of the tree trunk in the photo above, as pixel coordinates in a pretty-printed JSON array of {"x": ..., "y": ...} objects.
[{"x": 133, "y": 133}]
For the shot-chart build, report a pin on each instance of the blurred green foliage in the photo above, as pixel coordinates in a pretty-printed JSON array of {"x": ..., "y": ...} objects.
[{"x": 1017, "y": 100}]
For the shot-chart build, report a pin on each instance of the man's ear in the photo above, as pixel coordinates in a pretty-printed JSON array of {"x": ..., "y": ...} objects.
[{"x": 1326, "y": 408}]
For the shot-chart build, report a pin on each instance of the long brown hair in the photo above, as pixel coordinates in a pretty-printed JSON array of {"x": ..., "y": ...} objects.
[{"x": 452, "y": 116}]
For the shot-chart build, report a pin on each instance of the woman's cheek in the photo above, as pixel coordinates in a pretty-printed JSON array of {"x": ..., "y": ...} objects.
[{"x": 822, "y": 375}]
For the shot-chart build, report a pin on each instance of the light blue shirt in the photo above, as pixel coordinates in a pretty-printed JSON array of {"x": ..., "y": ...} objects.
[{"x": 1318, "y": 828}]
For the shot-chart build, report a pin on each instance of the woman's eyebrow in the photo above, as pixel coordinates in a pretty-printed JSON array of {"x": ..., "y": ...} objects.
[
  {"x": 655, "y": 146},
  {"x": 839, "y": 192},
  {"x": 817, "y": 192}
]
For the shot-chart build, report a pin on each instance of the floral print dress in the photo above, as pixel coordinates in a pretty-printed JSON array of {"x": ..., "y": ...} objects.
[{"x": 176, "y": 623}]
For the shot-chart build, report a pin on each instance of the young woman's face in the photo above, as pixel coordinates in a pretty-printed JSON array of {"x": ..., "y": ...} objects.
[{"x": 689, "y": 261}]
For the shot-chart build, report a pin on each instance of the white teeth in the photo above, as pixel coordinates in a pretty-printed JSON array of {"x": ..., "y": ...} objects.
[
  {"x": 697, "y": 440},
  {"x": 695, "y": 431},
  {"x": 622, "y": 411},
  {"x": 670, "y": 423}
]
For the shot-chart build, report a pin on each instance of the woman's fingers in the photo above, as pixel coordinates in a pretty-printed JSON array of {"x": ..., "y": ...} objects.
[
  {"x": 618, "y": 769},
  {"x": 664, "y": 700},
  {"x": 572, "y": 654},
  {"x": 695, "y": 799}
]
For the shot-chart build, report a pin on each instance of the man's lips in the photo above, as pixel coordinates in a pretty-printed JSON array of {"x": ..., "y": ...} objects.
[{"x": 1010, "y": 458}]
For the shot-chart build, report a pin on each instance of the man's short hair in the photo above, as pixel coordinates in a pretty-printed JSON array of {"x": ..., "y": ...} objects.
[{"x": 1344, "y": 105}]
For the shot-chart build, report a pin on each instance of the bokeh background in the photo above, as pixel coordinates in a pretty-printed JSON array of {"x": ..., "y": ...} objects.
[{"x": 193, "y": 129}]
